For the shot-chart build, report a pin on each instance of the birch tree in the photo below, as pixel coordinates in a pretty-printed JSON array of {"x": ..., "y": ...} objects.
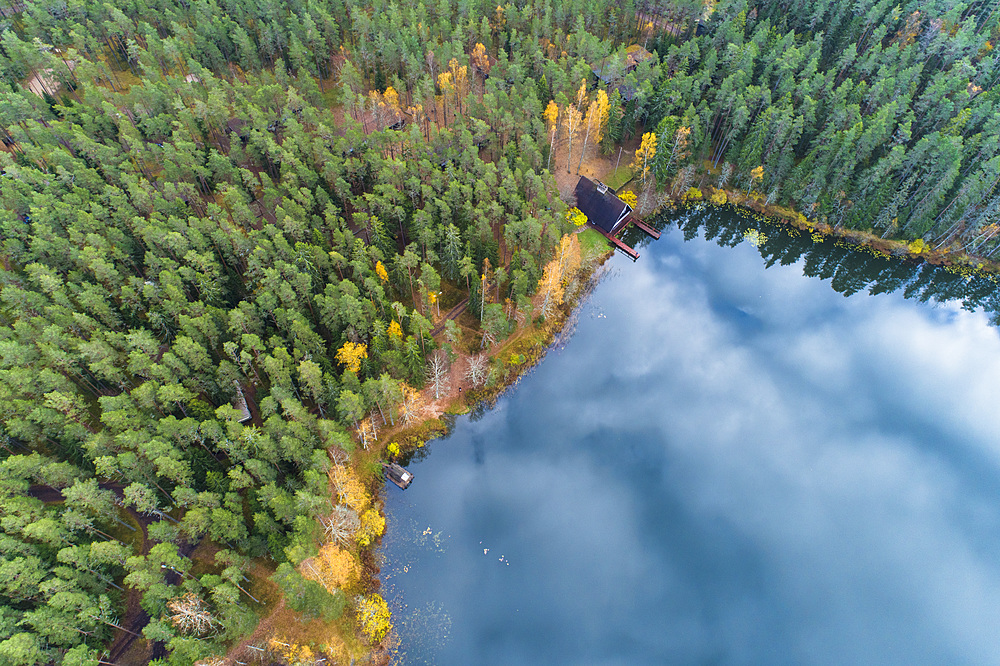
[
  {"x": 477, "y": 369},
  {"x": 438, "y": 373},
  {"x": 597, "y": 117}
]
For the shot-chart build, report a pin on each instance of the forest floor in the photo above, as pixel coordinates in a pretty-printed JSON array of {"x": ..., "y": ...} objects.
[{"x": 595, "y": 165}]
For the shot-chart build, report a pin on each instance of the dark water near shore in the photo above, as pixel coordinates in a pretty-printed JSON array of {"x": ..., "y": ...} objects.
[{"x": 727, "y": 463}]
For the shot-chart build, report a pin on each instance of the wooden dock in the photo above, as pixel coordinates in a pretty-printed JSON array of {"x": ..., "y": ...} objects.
[
  {"x": 622, "y": 246},
  {"x": 616, "y": 242},
  {"x": 645, "y": 227},
  {"x": 398, "y": 475}
]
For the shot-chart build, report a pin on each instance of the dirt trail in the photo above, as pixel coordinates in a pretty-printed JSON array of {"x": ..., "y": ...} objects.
[
  {"x": 259, "y": 635},
  {"x": 454, "y": 313}
]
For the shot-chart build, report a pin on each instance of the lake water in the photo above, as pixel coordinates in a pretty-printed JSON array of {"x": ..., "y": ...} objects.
[{"x": 725, "y": 464}]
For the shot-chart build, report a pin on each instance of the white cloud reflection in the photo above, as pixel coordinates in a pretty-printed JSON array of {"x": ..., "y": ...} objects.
[{"x": 735, "y": 466}]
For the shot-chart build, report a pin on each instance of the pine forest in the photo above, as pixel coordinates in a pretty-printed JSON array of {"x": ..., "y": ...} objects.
[{"x": 232, "y": 230}]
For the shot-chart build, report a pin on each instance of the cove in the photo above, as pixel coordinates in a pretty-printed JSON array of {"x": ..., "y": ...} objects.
[{"x": 728, "y": 462}]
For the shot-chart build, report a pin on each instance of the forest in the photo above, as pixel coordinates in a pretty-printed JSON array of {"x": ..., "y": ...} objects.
[{"x": 202, "y": 336}]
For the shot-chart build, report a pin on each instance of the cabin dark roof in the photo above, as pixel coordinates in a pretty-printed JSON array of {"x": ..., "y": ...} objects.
[{"x": 603, "y": 209}]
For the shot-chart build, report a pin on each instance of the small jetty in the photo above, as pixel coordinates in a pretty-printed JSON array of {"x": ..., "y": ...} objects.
[
  {"x": 398, "y": 475},
  {"x": 645, "y": 227},
  {"x": 620, "y": 245},
  {"x": 608, "y": 214}
]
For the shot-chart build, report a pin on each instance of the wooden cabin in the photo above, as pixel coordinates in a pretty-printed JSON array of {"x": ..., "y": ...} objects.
[
  {"x": 601, "y": 205},
  {"x": 398, "y": 475},
  {"x": 607, "y": 213},
  {"x": 635, "y": 55}
]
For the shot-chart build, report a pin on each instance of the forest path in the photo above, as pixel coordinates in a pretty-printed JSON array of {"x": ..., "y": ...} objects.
[
  {"x": 260, "y": 634},
  {"x": 454, "y": 313}
]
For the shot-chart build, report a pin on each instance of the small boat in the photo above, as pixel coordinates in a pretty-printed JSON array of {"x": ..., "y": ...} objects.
[{"x": 398, "y": 475}]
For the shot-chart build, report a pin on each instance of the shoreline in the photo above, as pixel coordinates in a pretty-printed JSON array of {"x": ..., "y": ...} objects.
[
  {"x": 533, "y": 341},
  {"x": 412, "y": 438},
  {"x": 917, "y": 250}
]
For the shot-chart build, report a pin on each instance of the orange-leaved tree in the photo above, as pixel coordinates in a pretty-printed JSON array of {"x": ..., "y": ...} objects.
[
  {"x": 569, "y": 258},
  {"x": 550, "y": 288}
]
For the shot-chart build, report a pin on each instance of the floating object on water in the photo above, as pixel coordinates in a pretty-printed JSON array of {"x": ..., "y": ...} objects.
[{"x": 398, "y": 475}]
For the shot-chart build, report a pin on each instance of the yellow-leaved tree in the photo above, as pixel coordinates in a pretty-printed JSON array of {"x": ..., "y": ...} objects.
[
  {"x": 576, "y": 216},
  {"x": 643, "y": 162},
  {"x": 380, "y": 271},
  {"x": 374, "y": 617},
  {"x": 333, "y": 567},
  {"x": 447, "y": 86},
  {"x": 480, "y": 60},
  {"x": 372, "y": 527},
  {"x": 391, "y": 98},
  {"x": 571, "y": 121},
  {"x": 597, "y": 118},
  {"x": 409, "y": 407},
  {"x": 351, "y": 355},
  {"x": 628, "y": 196},
  {"x": 551, "y": 116},
  {"x": 291, "y": 652},
  {"x": 558, "y": 273},
  {"x": 644, "y": 155},
  {"x": 757, "y": 173},
  {"x": 349, "y": 488},
  {"x": 460, "y": 79}
]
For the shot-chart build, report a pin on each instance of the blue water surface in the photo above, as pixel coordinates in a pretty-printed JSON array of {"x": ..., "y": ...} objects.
[{"x": 726, "y": 464}]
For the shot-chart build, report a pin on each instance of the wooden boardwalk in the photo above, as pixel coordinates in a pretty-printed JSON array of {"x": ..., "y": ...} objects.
[
  {"x": 623, "y": 247},
  {"x": 645, "y": 227},
  {"x": 452, "y": 314}
]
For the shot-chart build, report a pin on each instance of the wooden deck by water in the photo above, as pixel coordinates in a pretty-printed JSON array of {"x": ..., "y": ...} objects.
[
  {"x": 618, "y": 243},
  {"x": 645, "y": 227}
]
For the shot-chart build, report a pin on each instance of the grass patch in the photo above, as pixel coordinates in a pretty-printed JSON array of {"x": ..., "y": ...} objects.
[
  {"x": 592, "y": 242},
  {"x": 620, "y": 177}
]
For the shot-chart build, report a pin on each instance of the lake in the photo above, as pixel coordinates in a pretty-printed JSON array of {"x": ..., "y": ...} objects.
[{"x": 729, "y": 462}]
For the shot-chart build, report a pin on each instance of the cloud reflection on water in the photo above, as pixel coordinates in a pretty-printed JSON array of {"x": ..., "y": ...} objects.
[{"x": 735, "y": 466}]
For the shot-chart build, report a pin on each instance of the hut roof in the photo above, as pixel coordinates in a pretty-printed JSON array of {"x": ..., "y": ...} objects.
[
  {"x": 599, "y": 203},
  {"x": 634, "y": 55}
]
